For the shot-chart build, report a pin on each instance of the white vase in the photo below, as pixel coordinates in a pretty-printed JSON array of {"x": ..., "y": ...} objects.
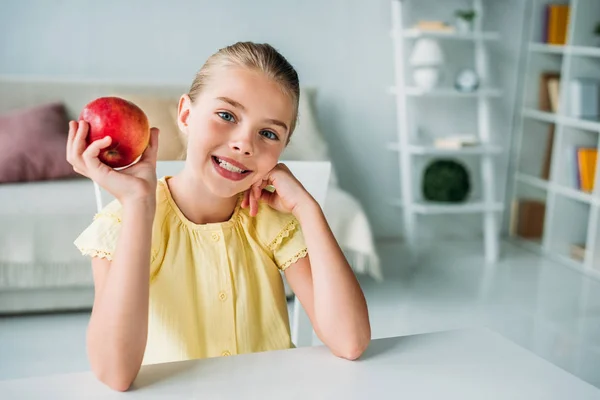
[{"x": 426, "y": 78}]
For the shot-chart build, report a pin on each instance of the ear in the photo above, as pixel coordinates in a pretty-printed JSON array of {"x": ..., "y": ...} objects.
[{"x": 183, "y": 113}]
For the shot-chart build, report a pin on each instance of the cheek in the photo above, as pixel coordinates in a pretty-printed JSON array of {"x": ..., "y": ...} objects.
[
  {"x": 207, "y": 135},
  {"x": 268, "y": 159},
  {"x": 213, "y": 126}
]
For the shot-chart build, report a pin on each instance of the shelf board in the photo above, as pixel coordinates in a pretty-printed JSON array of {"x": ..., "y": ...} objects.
[
  {"x": 468, "y": 150},
  {"x": 585, "y": 124},
  {"x": 574, "y": 194},
  {"x": 427, "y": 207},
  {"x": 448, "y": 92},
  {"x": 532, "y": 181},
  {"x": 588, "y": 51},
  {"x": 546, "y": 48},
  {"x": 417, "y": 33},
  {"x": 544, "y": 116}
]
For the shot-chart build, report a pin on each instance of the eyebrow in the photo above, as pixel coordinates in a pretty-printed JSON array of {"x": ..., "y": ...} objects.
[
  {"x": 241, "y": 107},
  {"x": 232, "y": 102}
]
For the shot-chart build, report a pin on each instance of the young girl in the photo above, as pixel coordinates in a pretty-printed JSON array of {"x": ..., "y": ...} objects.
[{"x": 189, "y": 266}]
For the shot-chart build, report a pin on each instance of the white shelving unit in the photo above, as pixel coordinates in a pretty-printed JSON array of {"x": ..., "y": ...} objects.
[
  {"x": 571, "y": 215},
  {"x": 410, "y": 147}
]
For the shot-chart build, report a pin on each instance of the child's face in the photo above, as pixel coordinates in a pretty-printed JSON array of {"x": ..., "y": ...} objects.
[{"x": 237, "y": 128}]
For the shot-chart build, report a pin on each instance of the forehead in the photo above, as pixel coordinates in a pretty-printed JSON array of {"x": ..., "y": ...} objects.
[{"x": 260, "y": 95}]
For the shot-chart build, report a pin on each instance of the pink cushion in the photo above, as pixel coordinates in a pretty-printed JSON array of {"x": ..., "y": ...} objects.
[{"x": 33, "y": 144}]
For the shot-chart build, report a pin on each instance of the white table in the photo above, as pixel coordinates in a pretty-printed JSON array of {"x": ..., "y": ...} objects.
[{"x": 464, "y": 364}]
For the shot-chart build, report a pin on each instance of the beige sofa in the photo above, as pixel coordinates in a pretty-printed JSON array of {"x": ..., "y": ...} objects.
[{"x": 41, "y": 270}]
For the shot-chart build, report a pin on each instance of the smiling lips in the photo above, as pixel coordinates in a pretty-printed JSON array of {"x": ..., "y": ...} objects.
[{"x": 230, "y": 169}]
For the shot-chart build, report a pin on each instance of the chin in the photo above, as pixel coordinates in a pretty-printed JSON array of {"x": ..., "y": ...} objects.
[
  {"x": 226, "y": 189},
  {"x": 225, "y": 193}
]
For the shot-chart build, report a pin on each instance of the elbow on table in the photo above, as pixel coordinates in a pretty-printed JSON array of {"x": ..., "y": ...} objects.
[
  {"x": 120, "y": 382},
  {"x": 116, "y": 383},
  {"x": 352, "y": 350}
]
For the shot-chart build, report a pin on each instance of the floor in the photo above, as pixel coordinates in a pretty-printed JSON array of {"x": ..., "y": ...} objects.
[{"x": 542, "y": 306}]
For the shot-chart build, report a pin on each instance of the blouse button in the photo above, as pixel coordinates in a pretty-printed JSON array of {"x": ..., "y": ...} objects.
[
  {"x": 226, "y": 353},
  {"x": 215, "y": 237},
  {"x": 222, "y": 296}
]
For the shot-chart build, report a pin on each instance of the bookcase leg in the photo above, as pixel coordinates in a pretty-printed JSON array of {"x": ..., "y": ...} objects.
[
  {"x": 410, "y": 224},
  {"x": 491, "y": 239}
]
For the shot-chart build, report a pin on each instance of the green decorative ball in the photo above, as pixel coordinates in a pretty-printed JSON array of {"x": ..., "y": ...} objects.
[{"x": 446, "y": 181}]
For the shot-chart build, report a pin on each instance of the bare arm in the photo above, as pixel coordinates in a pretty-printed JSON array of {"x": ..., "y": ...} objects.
[
  {"x": 323, "y": 282},
  {"x": 118, "y": 328},
  {"x": 117, "y": 333},
  {"x": 328, "y": 289}
]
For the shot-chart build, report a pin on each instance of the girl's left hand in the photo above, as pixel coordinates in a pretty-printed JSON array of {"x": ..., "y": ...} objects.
[{"x": 288, "y": 197}]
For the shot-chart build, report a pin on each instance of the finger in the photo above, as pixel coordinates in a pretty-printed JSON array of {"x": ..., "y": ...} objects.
[
  {"x": 246, "y": 199},
  {"x": 253, "y": 201},
  {"x": 93, "y": 150},
  {"x": 151, "y": 152},
  {"x": 91, "y": 162},
  {"x": 263, "y": 184},
  {"x": 79, "y": 142},
  {"x": 257, "y": 190},
  {"x": 283, "y": 167},
  {"x": 70, "y": 138},
  {"x": 266, "y": 196}
]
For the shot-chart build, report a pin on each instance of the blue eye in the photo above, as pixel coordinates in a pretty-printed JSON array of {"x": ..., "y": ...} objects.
[
  {"x": 226, "y": 116},
  {"x": 269, "y": 135}
]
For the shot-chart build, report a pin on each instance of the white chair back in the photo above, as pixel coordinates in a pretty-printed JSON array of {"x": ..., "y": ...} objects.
[{"x": 314, "y": 176}]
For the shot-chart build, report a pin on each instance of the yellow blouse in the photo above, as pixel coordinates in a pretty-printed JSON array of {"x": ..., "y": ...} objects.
[{"x": 215, "y": 289}]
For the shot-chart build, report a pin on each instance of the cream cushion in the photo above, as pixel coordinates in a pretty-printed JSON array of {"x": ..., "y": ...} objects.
[{"x": 162, "y": 114}]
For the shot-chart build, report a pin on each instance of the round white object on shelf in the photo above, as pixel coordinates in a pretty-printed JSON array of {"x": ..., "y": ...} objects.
[{"x": 467, "y": 80}]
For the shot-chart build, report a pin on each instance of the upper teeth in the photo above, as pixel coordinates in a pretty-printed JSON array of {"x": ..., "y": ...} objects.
[{"x": 229, "y": 167}]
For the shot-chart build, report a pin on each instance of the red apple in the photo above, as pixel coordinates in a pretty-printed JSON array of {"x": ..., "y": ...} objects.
[{"x": 124, "y": 122}]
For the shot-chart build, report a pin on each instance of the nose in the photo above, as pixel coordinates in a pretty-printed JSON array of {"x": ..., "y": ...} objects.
[{"x": 242, "y": 144}]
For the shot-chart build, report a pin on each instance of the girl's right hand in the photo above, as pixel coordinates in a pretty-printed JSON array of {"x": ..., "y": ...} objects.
[{"x": 134, "y": 183}]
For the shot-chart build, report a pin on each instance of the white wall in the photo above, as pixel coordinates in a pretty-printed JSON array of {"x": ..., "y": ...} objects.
[{"x": 340, "y": 46}]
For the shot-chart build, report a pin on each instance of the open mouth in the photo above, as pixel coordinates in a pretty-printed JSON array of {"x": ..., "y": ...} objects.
[
  {"x": 230, "y": 169},
  {"x": 229, "y": 166}
]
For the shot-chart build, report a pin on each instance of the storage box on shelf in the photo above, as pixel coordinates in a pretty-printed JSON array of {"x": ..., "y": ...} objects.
[{"x": 570, "y": 192}]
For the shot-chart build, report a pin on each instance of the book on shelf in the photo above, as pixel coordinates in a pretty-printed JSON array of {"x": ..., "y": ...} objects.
[
  {"x": 433, "y": 26},
  {"x": 456, "y": 142},
  {"x": 545, "y": 173},
  {"x": 553, "y": 87},
  {"x": 584, "y": 98},
  {"x": 556, "y": 24},
  {"x": 549, "y": 91},
  {"x": 527, "y": 218},
  {"x": 586, "y": 168}
]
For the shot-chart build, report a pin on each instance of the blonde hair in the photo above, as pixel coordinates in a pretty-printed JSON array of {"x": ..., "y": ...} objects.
[{"x": 256, "y": 56}]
